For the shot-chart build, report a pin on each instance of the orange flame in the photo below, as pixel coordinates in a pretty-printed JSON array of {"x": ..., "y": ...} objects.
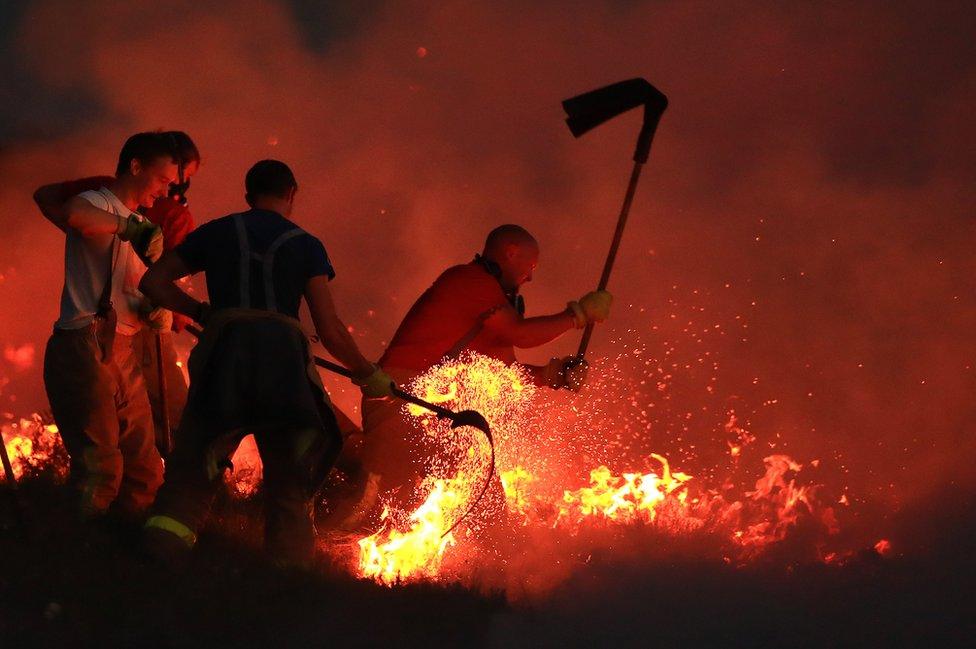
[
  {"x": 391, "y": 556},
  {"x": 627, "y": 498},
  {"x": 34, "y": 446},
  {"x": 415, "y": 545}
]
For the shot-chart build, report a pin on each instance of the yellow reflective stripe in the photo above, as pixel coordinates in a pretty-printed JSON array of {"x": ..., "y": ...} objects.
[{"x": 173, "y": 526}]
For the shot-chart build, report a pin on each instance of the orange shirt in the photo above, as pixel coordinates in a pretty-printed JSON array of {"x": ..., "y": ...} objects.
[{"x": 447, "y": 311}]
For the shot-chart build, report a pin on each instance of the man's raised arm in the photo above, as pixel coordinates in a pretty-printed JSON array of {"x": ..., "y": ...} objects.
[
  {"x": 49, "y": 201},
  {"x": 508, "y": 326},
  {"x": 511, "y": 328},
  {"x": 90, "y": 220},
  {"x": 523, "y": 333}
]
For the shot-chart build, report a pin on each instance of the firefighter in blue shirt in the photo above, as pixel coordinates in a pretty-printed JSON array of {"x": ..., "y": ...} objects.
[{"x": 252, "y": 370}]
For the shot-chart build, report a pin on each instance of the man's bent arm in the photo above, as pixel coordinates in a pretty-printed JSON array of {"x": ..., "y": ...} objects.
[
  {"x": 48, "y": 199},
  {"x": 88, "y": 219},
  {"x": 159, "y": 285},
  {"x": 523, "y": 333},
  {"x": 334, "y": 334}
]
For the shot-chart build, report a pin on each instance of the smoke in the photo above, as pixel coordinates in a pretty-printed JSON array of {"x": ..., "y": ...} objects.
[{"x": 805, "y": 218}]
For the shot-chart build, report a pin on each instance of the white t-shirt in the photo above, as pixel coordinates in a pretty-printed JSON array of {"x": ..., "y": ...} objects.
[{"x": 86, "y": 264}]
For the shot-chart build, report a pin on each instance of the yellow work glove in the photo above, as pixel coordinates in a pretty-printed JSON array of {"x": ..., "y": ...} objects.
[
  {"x": 592, "y": 307},
  {"x": 145, "y": 237},
  {"x": 160, "y": 319},
  {"x": 378, "y": 385}
]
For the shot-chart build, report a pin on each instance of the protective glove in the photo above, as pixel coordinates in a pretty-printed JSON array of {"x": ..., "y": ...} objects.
[
  {"x": 592, "y": 307},
  {"x": 160, "y": 319},
  {"x": 378, "y": 385},
  {"x": 145, "y": 236}
]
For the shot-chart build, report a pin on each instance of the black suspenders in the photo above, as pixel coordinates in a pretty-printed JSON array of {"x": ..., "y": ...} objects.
[{"x": 266, "y": 260}]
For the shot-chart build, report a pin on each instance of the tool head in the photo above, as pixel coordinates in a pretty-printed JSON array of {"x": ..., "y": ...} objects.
[
  {"x": 587, "y": 111},
  {"x": 471, "y": 418}
]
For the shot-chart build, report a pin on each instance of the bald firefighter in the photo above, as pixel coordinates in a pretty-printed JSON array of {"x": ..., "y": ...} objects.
[
  {"x": 252, "y": 370},
  {"x": 470, "y": 307}
]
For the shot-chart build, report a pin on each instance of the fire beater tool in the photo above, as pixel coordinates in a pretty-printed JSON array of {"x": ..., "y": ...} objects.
[
  {"x": 589, "y": 110},
  {"x": 19, "y": 508},
  {"x": 8, "y": 469},
  {"x": 166, "y": 443},
  {"x": 460, "y": 418}
]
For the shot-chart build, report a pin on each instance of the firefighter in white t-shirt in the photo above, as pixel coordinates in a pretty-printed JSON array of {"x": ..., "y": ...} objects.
[{"x": 93, "y": 380}]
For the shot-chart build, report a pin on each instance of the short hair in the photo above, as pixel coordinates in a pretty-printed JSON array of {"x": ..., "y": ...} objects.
[
  {"x": 144, "y": 147},
  {"x": 269, "y": 178},
  {"x": 508, "y": 234},
  {"x": 182, "y": 144}
]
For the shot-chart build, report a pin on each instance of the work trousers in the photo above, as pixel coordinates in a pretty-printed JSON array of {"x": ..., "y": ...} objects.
[
  {"x": 191, "y": 484},
  {"x": 251, "y": 375},
  {"x": 103, "y": 415},
  {"x": 394, "y": 448},
  {"x": 176, "y": 390}
]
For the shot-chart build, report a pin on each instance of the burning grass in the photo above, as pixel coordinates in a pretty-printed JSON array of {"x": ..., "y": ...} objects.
[
  {"x": 569, "y": 483},
  {"x": 546, "y": 493}
]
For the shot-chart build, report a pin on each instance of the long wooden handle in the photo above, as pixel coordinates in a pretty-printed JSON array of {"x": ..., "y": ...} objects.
[{"x": 612, "y": 255}]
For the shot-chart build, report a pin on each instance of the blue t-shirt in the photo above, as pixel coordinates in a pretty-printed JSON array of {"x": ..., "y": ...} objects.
[{"x": 216, "y": 249}]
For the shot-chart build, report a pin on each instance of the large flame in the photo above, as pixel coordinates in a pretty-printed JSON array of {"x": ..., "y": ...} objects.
[
  {"x": 34, "y": 446},
  {"x": 544, "y": 486},
  {"x": 414, "y": 548},
  {"x": 391, "y": 556},
  {"x": 628, "y": 498},
  {"x": 656, "y": 496}
]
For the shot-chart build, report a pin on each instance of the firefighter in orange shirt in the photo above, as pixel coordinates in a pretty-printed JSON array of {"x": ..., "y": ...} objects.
[{"x": 470, "y": 307}]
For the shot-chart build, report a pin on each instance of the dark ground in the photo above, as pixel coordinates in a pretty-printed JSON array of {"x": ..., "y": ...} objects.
[{"x": 65, "y": 585}]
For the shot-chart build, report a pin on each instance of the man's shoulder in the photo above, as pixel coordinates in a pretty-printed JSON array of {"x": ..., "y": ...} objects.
[
  {"x": 267, "y": 222},
  {"x": 211, "y": 232},
  {"x": 467, "y": 278},
  {"x": 69, "y": 188},
  {"x": 286, "y": 225},
  {"x": 96, "y": 198},
  {"x": 468, "y": 273}
]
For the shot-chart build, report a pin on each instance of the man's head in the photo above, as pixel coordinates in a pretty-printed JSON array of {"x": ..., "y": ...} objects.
[
  {"x": 515, "y": 251},
  {"x": 147, "y": 166},
  {"x": 188, "y": 162},
  {"x": 271, "y": 185}
]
